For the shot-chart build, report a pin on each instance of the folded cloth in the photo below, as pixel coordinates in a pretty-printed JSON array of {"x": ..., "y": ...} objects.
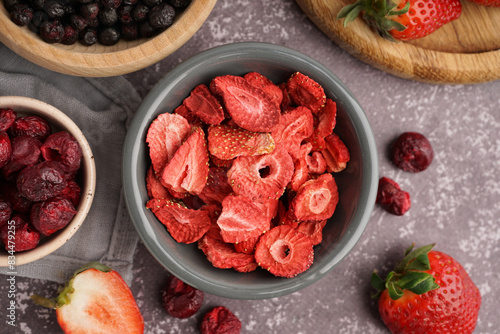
[{"x": 101, "y": 107}]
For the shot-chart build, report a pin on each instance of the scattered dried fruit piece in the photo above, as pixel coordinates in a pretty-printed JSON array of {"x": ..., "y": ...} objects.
[
  {"x": 412, "y": 152},
  {"x": 392, "y": 198},
  {"x": 220, "y": 320},
  {"x": 181, "y": 300}
]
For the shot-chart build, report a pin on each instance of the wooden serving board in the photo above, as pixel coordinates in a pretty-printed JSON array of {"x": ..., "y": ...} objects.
[{"x": 463, "y": 51}]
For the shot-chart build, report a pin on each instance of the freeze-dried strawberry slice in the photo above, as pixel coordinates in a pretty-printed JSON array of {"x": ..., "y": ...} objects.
[
  {"x": 247, "y": 268},
  {"x": 217, "y": 187},
  {"x": 220, "y": 162},
  {"x": 287, "y": 103},
  {"x": 247, "y": 246},
  {"x": 261, "y": 177},
  {"x": 293, "y": 128},
  {"x": 306, "y": 92},
  {"x": 258, "y": 80},
  {"x": 241, "y": 219},
  {"x": 213, "y": 211},
  {"x": 154, "y": 186},
  {"x": 187, "y": 171},
  {"x": 183, "y": 111},
  {"x": 284, "y": 252},
  {"x": 227, "y": 142},
  {"x": 315, "y": 200},
  {"x": 316, "y": 163},
  {"x": 313, "y": 229},
  {"x": 300, "y": 174},
  {"x": 336, "y": 153},
  {"x": 184, "y": 225},
  {"x": 223, "y": 255},
  {"x": 203, "y": 104},
  {"x": 251, "y": 108},
  {"x": 327, "y": 118},
  {"x": 165, "y": 136}
]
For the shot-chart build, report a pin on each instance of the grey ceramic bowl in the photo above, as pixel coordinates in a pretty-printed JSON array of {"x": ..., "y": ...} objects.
[{"x": 357, "y": 183}]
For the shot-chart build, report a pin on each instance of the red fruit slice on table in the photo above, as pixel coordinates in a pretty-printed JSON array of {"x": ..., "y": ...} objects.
[
  {"x": 223, "y": 255},
  {"x": 181, "y": 300},
  {"x": 154, "y": 186},
  {"x": 220, "y": 320},
  {"x": 284, "y": 251},
  {"x": 96, "y": 300},
  {"x": 261, "y": 177},
  {"x": 315, "y": 200},
  {"x": 259, "y": 81},
  {"x": 306, "y": 92},
  {"x": 227, "y": 142},
  {"x": 165, "y": 135},
  {"x": 184, "y": 225},
  {"x": 203, "y": 104},
  {"x": 187, "y": 171},
  {"x": 392, "y": 198},
  {"x": 217, "y": 187},
  {"x": 241, "y": 219},
  {"x": 336, "y": 153},
  {"x": 251, "y": 108}
]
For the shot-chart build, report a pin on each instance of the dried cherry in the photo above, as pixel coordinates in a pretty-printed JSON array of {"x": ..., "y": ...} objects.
[
  {"x": 412, "y": 152},
  {"x": 72, "y": 192},
  {"x": 25, "y": 152},
  {"x": 9, "y": 193},
  {"x": 26, "y": 237},
  {"x": 42, "y": 181},
  {"x": 220, "y": 320},
  {"x": 5, "y": 148},
  {"x": 7, "y": 118},
  {"x": 63, "y": 147},
  {"x": 5, "y": 211},
  {"x": 181, "y": 300},
  {"x": 392, "y": 198},
  {"x": 33, "y": 126},
  {"x": 52, "y": 215}
]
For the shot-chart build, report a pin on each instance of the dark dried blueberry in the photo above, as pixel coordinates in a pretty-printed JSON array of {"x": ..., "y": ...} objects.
[
  {"x": 54, "y": 9},
  {"x": 108, "y": 16},
  {"x": 9, "y": 4},
  {"x": 130, "y": 2},
  {"x": 85, "y": 1},
  {"x": 140, "y": 12},
  {"x": 220, "y": 320},
  {"x": 179, "y": 3},
  {"x": 146, "y": 30},
  {"x": 52, "y": 215},
  {"x": 78, "y": 22},
  {"x": 88, "y": 36},
  {"x": 5, "y": 148},
  {"x": 70, "y": 35},
  {"x": 5, "y": 211},
  {"x": 114, "y": 4},
  {"x": 412, "y": 152},
  {"x": 89, "y": 10},
  {"x": 25, "y": 237},
  {"x": 38, "y": 4},
  {"x": 39, "y": 19},
  {"x": 21, "y": 14},
  {"x": 25, "y": 152},
  {"x": 52, "y": 32},
  {"x": 42, "y": 181},
  {"x": 161, "y": 16},
  {"x": 93, "y": 23},
  {"x": 125, "y": 14},
  {"x": 69, "y": 9},
  {"x": 392, "y": 198},
  {"x": 151, "y": 3},
  {"x": 181, "y": 300},
  {"x": 109, "y": 36},
  {"x": 7, "y": 118},
  {"x": 129, "y": 32},
  {"x": 33, "y": 126}
]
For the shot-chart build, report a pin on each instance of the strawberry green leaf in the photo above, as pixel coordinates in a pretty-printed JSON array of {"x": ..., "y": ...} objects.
[
  {"x": 420, "y": 263},
  {"x": 42, "y": 301},
  {"x": 425, "y": 286},
  {"x": 395, "y": 291},
  {"x": 424, "y": 250},
  {"x": 377, "y": 282},
  {"x": 413, "y": 279}
]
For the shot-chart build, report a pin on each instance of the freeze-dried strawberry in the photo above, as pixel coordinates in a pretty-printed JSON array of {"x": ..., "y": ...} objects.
[
  {"x": 327, "y": 118},
  {"x": 269, "y": 207},
  {"x": 241, "y": 219},
  {"x": 203, "y": 104},
  {"x": 392, "y": 198},
  {"x": 336, "y": 153},
  {"x": 187, "y": 171},
  {"x": 284, "y": 251},
  {"x": 293, "y": 128},
  {"x": 315, "y": 200},
  {"x": 313, "y": 229},
  {"x": 287, "y": 103},
  {"x": 223, "y": 255},
  {"x": 217, "y": 187},
  {"x": 72, "y": 192},
  {"x": 252, "y": 266},
  {"x": 227, "y": 142},
  {"x": 220, "y": 162},
  {"x": 247, "y": 246},
  {"x": 300, "y": 174},
  {"x": 25, "y": 152},
  {"x": 306, "y": 92},
  {"x": 25, "y": 237},
  {"x": 33, "y": 126},
  {"x": 165, "y": 136},
  {"x": 52, "y": 215},
  {"x": 5, "y": 211},
  {"x": 5, "y": 148},
  {"x": 7, "y": 118},
  {"x": 183, "y": 111},
  {"x": 181, "y": 300},
  {"x": 213, "y": 211},
  {"x": 184, "y": 225},
  {"x": 259, "y": 81},
  {"x": 316, "y": 163},
  {"x": 261, "y": 177},
  {"x": 154, "y": 187},
  {"x": 251, "y": 108},
  {"x": 220, "y": 320},
  {"x": 42, "y": 181},
  {"x": 63, "y": 147}
]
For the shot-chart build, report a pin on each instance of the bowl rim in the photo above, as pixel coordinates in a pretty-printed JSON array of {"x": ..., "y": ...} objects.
[
  {"x": 131, "y": 184},
  {"x": 54, "y": 115}
]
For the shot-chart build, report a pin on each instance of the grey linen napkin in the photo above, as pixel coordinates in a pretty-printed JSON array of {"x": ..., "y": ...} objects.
[{"x": 101, "y": 107}]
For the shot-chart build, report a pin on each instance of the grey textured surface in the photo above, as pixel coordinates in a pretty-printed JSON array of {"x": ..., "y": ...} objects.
[{"x": 455, "y": 203}]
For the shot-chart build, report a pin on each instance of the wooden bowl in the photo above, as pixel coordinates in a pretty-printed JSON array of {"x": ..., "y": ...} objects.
[{"x": 99, "y": 60}]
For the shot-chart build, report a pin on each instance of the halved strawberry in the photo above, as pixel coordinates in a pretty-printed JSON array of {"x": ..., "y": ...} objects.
[
  {"x": 96, "y": 300},
  {"x": 315, "y": 200},
  {"x": 261, "y": 177},
  {"x": 336, "y": 153},
  {"x": 306, "y": 92},
  {"x": 258, "y": 80},
  {"x": 187, "y": 171},
  {"x": 313, "y": 229},
  {"x": 250, "y": 107},
  {"x": 184, "y": 225},
  {"x": 223, "y": 255},
  {"x": 154, "y": 186},
  {"x": 284, "y": 251},
  {"x": 203, "y": 104},
  {"x": 227, "y": 142},
  {"x": 241, "y": 219},
  {"x": 217, "y": 187},
  {"x": 164, "y": 137}
]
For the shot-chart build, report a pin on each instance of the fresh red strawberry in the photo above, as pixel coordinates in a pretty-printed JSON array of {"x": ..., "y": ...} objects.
[
  {"x": 313, "y": 229},
  {"x": 154, "y": 186},
  {"x": 306, "y": 92},
  {"x": 336, "y": 153},
  {"x": 165, "y": 135},
  {"x": 203, "y": 104},
  {"x": 227, "y": 142},
  {"x": 217, "y": 187},
  {"x": 251, "y": 108},
  {"x": 223, "y": 255},
  {"x": 403, "y": 19},
  {"x": 261, "y": 177},
  {"x": 428, "y": 292},
  {"x": 258, "y": 80},
  {"x": 96, "y": 300},
  {"x": 284, "y": 252},
  {"x": 187, "y": 171},
  {"x": 487, "y": 3},
  {"x": 184, "y": 225},
  {"x": 241, "y": 219},
  {"x": 315, "y": 200}
]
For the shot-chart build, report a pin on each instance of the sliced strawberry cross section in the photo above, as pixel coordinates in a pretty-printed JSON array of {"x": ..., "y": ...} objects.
[
  {"x": 336, "y": 153},
  {"x": 306, "y": 92},
  {"x": 203, "y": 104},
  {"x": 250, "y": 107},
  {"x": 284, "y": 251}
]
